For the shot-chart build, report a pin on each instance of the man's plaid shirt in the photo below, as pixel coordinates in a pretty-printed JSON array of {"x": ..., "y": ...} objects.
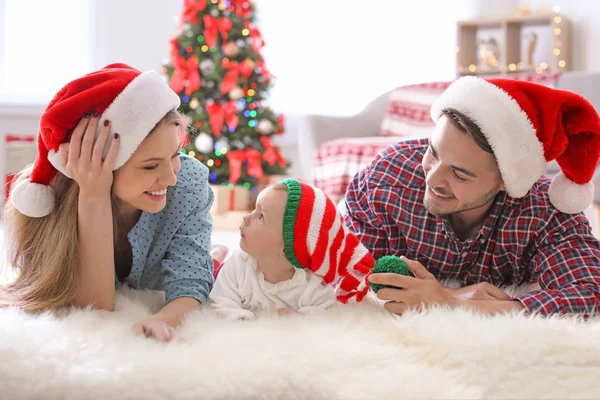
[{"x": 522, "y": 241}]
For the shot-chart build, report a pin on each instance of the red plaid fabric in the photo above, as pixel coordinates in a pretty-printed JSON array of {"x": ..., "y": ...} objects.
[
  {"x": 522, "y": 241},
  {"x": 337, "y": 161}
]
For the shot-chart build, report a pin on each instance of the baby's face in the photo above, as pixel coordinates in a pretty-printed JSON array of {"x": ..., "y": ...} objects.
[{"x": 262, "y": 230}]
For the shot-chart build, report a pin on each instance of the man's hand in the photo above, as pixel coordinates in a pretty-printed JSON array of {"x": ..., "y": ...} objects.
[
  {"x": 418, "y": 292},
  {"x": 480, "y": 291}
]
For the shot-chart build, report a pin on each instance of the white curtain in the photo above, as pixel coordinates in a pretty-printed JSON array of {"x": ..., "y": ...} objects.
[
  {"x": 334, "y": 56},
  {"x": 45, "y": 44}
]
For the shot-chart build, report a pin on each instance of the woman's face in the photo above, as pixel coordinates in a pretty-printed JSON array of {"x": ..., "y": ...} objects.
[{"x": 142, "y": 183}]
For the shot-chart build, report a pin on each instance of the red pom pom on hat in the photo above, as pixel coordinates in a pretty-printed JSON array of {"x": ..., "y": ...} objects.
[
  {"x": 528, "y": 125},
  {"x": 133, "y": 102}
]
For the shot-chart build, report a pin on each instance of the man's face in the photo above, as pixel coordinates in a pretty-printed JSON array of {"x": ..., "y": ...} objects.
[{"x": 460, "y": 175}]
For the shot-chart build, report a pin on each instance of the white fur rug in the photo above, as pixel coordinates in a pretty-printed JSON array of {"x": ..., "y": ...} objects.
[{"x": 353, "y": 352}]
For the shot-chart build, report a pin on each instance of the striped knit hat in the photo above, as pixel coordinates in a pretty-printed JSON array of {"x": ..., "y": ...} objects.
[{"x": 316, "y": 238}]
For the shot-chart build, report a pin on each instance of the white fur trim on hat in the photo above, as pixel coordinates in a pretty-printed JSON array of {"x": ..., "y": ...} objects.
[
  {"x": 568, "y": 196},
  {"x": 506, "y": 126},
  {"x": 132, "y": 114},
  {"x": 32, "y": 199}
]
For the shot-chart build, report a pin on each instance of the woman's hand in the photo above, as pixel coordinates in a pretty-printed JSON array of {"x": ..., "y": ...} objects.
[
  {"x": 155, "y": 328},
  {"x": 84, "y": 159},
  {"x": 286, "y": 312}
]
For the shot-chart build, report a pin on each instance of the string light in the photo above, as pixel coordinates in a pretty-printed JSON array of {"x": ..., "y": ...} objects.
[
  {"x": 562, "y": 63},
  {"x": 185, "y": 99},
  {"x": 230, "y": 185},
  {"x": 200, "y": 38},
  {"x": 246, "y": 185},
  {"x": 557, "y": 31},
  {"x": 252, "y": 124},
  {"x": 557, "y": 19},
  {"x": 204, "y": 48},
  {"x": 458, "y": 49},
  {"x": 223, "y": 150},
  {"x": 472, "y": 68},
  {"x": 210, "y": 163},
  {"x": 556, "y": 9},
  {"x": 192, "y": 154},
  {"x": 253, "y": 113},
  {"x": 231, "y": 129},
  {"x": 544, "y": 65},
  {"x": 190, "y": 49},
  {"x": 557, "y": 52},
  {"x": 198, "y": 124},
  {"x": 217, "y": 162},
  {"x": 184, "y": 151},
  {"x": 218, "y": 153},
  {"x": 512, "y": 67},
  {"x": 213, "y": 177},
  {"x": 251, "y": 92},
  {"x": 248, "y": 99},
  {"x": 245, "y": 32}
]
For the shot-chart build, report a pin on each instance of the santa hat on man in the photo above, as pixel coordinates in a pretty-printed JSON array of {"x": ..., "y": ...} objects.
[
  {"x": 528, "y": 125},
  {"x": 133, "y": 102},
  {"x": 316, "y": 238}
]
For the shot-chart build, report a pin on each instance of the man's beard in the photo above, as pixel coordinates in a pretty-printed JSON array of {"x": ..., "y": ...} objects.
[{"x": 430, "y": 204}]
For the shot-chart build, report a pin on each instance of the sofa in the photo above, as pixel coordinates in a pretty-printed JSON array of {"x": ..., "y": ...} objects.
[{"x": 333, "y": 149}]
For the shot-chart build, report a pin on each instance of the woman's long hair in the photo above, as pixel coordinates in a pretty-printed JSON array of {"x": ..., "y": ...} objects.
[{"x": 44, "y": 252}]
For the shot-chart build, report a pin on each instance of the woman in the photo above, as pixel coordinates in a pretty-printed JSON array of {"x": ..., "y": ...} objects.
[{"x": 110, "y": 199}]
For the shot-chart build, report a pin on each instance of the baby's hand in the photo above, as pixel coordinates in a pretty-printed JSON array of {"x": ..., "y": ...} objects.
[
  {"x": 156, "y": 328},
  {"x": 282, "y": 312}
]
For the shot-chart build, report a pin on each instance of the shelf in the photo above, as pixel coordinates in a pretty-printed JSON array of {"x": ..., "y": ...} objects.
[{"x": 510, "y": 41}]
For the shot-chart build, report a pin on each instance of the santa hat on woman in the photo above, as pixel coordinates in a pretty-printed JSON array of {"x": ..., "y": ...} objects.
[
  {"x": 316, "y": 238},
  {"x": 133, "y": 102},
  {"x": 528, "y": 125}
]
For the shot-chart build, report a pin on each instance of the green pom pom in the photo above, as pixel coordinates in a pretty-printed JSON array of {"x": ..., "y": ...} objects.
[{"x": 390, "y": 264}]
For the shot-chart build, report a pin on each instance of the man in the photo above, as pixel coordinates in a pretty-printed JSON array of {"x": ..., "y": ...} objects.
[{"x": 468, "y": 204}]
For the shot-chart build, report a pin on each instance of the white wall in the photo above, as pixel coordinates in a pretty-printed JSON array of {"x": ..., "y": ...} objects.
[{"x": 135, "y": 32}]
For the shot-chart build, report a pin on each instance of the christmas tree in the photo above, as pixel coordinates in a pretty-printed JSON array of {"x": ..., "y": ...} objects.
[{"x": 217, "y": 69}]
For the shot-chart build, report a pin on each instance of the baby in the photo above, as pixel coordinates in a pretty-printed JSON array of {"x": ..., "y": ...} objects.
[{"x": 295, "y": 248}]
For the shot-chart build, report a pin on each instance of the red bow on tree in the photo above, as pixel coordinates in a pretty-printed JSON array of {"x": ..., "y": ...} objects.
[
  {"x": 280, "y": 124},
  {"x": 230, "y": 80},
  {"x": 191, "y": 9},
  {"x": 217, "y": 114},
  {"x": 237, "y": 157},
  {"x": 242, "y": 8},
  {"x": 185, "y": 70},
  {"x": 271, "y": 153},
  {"x": 212, "y": 26},
  {"x": 263, "y": 70},
  {"x": 256, "y": 41}
]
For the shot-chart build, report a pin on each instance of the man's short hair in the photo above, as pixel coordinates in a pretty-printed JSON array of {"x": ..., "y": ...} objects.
[{"x": 464, "y": 124}]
